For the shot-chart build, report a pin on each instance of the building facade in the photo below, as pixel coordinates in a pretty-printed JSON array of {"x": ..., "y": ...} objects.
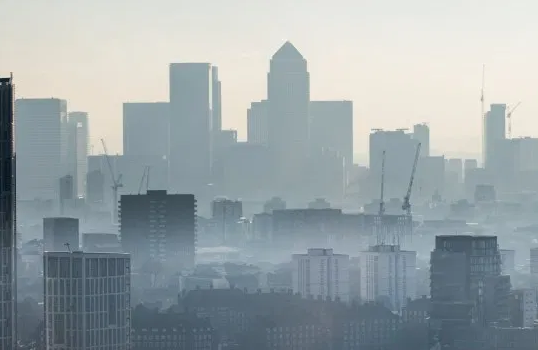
[
  {"x": 78, "y": 149},
  {"x": 494, "y": 133},
  {"x": 421, "y": 133},
  {"x": 60, "y": 234},
  {"x": 257, "y": 123},
  {"x": 159, "y": 227},
  {"x": 8, "y": 240},
  {"x": 388, "y": 275},
  {"x": 87, "y": 300},
  {"x": 321, "y": 274}
]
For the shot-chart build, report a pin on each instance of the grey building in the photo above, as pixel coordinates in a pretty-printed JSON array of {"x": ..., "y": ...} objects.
[
  {"x": 288, "y": 94},
  {"x": 57, "y": 232},
  {"x": 87, "y": 300},
  {"x": 421, "y": 133},
  {"x": 41, "y": 146},
  {"x": 226, "y": 214},
  {"x": 494, "y": 134},
  {"x": 145, "y": 128},
  {"x": 159, "y": 227},
  {"x": 78, "y": 135},
  {"x": 192, "y": 87},
  {"x": 8, "y": 240},
  {"x": 257, "y": 119}
]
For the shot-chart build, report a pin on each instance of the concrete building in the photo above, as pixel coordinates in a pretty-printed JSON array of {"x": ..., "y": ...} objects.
[
  {"x": 257, "y": 123},
  {"x": 192, "y": 89},
  {"x": 41, "y": 147},
  {"x": 331, "y": 128},
  {"x": 145, "y": 128},
  {"x": 160, "y": 227},
  {"x": 421, "y": 133},
  {"x": 508, "y": 261},
  {"x": 321, "y": 274},
  {"x": 8, "y": 239},
  {"x": 494, "y": 132},
  {"x": 226, "y": 214},
  {"x": 288, "y": 94},
  {"x": 78, "y": 148},
  {"x": 524, "y": 310},
  {"x": 388, "y": 275},
  {"x": 57, "y": 232},
  {"x": 87, "y": 300}
]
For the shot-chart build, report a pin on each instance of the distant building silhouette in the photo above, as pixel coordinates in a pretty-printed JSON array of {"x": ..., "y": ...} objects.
[
  {"x": 192, "y": 86},
  {"x": 159, "y": 227},
  {"x": 41, "y": 146},
  {"x": 77, "y": 150},
  {"x": 57, "y": 232},
  {"x": 226, "y": 214},
  {"x": 145, "y": 128},
  {"x": 8, "y": 239},
  {"x": 88, "y": 300},
  {"x": 288, "y": 88},
  {"x": 494, "y": 132},
  {"x": 257, "y": 123},
  {"x": 421, "y": 133}
]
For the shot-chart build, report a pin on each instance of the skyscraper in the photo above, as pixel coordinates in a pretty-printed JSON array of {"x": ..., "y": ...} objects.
[
  {"x": 57, "y": 232},
  {"x": 8, "y": 279},
  {"x": 421, "y": 133},
  {"x": 192, "y": 86},
  {"x": 78, "y": 148},
  {"x": 495, "y": 132},
  {"x": 87, "y": 300},
  {"x": 145, "y": 128},
  {"x": 257, "y": 118},
  {"x": 288, "y": 90},
  {"x": 41, "y": 147}
]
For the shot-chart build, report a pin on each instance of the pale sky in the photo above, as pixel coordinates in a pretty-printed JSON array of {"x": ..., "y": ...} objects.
[{"x": 400, "y": 61}]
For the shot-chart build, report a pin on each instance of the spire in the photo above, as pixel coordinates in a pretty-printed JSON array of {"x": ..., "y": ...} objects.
[{"x": 288, "y": 52}]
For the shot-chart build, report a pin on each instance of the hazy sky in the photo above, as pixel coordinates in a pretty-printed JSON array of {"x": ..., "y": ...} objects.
[{"x": 400, "y": 61}]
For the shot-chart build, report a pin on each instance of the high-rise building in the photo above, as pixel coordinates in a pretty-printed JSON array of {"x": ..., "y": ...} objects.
[
  {"x": 494, "y": 132},
  {"x": 524, "y": 311},
  {"x": 160, "y": 227},
  {"x": 421, "y": 133},
  {"x": 534, "y": 268},
  {"x": 60, "y": 234},
  {"x": 77, "y": 150},
  {"x": 388, "y": 275},
  {"x": 87, "y": 300},
  {"x": 216, "y": 107},
  {"x": 145, "y": 128},
  {"x": 508, "y": 261},
  {"x": 331, "y": 128},
  {"x": 321, "y": 274},
  {"x": 192, "y": 86},
  {"x": 257, "y": 119},
  {"x": 288, "y": 94},
  {"x": 226, "y": 214},
  {"x": 41, "y": 147},
  {"x": 455, "y": 166},
  {"x": 8, "y": 241}
]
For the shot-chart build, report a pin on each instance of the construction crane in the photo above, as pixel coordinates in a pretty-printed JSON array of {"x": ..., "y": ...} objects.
[
  {"x": 509, "y": 117},
  {"x": 406, "y": 202},
  {"x": 381, "y": 198},
  {"x": 116, "y": 184},
  {"x": 145, "y": 176}
]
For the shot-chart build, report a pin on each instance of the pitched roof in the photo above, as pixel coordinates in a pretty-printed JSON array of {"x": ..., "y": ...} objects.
[{"x": 288, "y": 52}]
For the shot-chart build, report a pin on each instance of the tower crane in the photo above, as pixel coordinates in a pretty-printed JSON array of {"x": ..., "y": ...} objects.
[
  {"x": 509, "y": 117},
  {"x": 116, "y": 184},
  {"x": 381, "y": 198},
  {"x": 406, "y": 202}
]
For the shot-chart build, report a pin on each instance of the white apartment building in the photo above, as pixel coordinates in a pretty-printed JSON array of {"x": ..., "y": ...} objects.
[
  {"x": 87, "y": 300},
  {"x": 321, "y": 274},
  {"x": 388, "y": 275}
]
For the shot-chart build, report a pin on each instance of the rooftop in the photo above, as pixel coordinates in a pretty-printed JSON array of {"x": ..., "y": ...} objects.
[{"x": 288, "y": 52}]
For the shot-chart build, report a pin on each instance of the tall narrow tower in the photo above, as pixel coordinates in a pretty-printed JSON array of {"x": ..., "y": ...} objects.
[
  {"x": 288, "y": 89},
  {"x": 8, "y": 285}
]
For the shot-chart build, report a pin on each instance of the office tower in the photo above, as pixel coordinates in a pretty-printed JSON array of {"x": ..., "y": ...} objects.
[
  {"x": 191, "y": 99},
  {"x": 78, "y": 149},
  {"x": 60, "y": 234},
  {"x": 455, "y": 166},
  {"x": 534, "y": 268},
  {"x": 87, "y": 300},
  {"x": 508, "y": 261},
  {"x": 41, "y": 146},
  {"x": 8, "y": 241},
  {"x": 95, "y": 186},
  {"x": 145, "y": 128},
  {"x": 161, "y": 227},
  {"x": 257, "y": 123},
  {"x": 464, "y": 270},
  {"x": 400, "y": 148},
  {"x": 388, "y": 275},
  {"x": 494, "y": 133},
  {"x": 523, "y": 308},
  {"x": 331, "y": 128},
  {"x": 226, "y": 214},
  {"x": 216, "y": 108},
  {"x": 288, "y": 94},
  {"x": 421, "y": 133},
  {"x": 321, "y": 274}
]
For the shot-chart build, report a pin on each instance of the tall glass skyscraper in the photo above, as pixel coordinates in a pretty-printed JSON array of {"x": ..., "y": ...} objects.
[{"x": 8, "y": 285}]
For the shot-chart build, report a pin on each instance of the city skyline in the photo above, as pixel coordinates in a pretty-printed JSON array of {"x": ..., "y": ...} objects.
[{"x": 367, "y": 74}]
